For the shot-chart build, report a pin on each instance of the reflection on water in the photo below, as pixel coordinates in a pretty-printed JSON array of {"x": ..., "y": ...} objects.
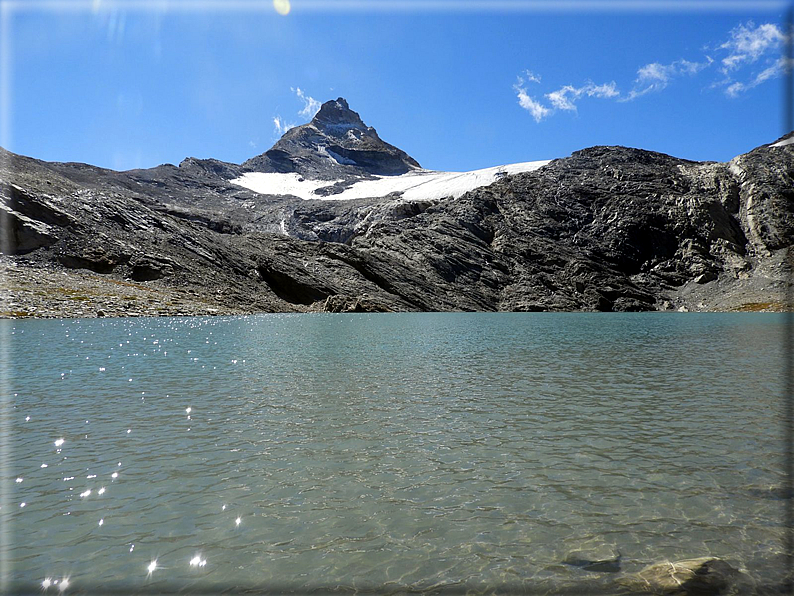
[{"x": 411, "y": 451}]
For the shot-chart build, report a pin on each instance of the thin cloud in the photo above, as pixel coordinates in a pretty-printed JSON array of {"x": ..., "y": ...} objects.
[
  {"x": 752, "y": 47},
  {"x": 280, "y": 125},
  {"x": 749, "y": 43},
  {"x": 749, "y": 58},
  {"x": 564, "y": 98},
  {"x": 310, "y": 105},
  {"x": 534, "y": 107},
  {"x": 779, "y": 68},
  {"x": 531, "y": 77},
  {"x": 654, "y": 77}
]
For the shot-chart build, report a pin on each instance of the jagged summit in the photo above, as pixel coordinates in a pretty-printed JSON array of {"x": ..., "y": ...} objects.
[
  {"x": 335, "y": 145},
  {"x": 336, "y": 114}
]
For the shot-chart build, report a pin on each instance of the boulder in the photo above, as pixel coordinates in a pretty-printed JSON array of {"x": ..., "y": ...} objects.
[
  {"x": 342, "y": 304},
  {"x": 93, "y": 258},
  {"x": 148, "y": 268},
  {"x": 704, "y": 576},
  {"x": 26, "y": 234}
]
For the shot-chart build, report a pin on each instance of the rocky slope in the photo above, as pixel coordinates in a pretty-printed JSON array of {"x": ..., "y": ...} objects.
[{"x": 606, "y": 229}]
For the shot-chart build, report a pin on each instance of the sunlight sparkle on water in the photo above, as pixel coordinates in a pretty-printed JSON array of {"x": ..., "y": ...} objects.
[
  {"x": 152, "y": 566},
  {"x": 19, "y": 479},
  {"x": 46, "y": 583},
  {"x": 238, "y": 521},
  {"x": 101, "y": 491},
  {"x": 114, "y": 475},
  {"x": 59, "y": 442}
]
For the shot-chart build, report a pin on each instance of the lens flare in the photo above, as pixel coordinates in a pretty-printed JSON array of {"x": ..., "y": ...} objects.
[{"x": 282, "y": 7}]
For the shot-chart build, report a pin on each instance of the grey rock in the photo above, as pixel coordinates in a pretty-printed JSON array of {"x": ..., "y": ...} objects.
[
  {"x": 94, "y": 258},
  {"x": 149, "y": 268},
  {"x": 360, "y": 304},
  {"x": 335, "y": 144},
  {"x": 703, "y": 576}
]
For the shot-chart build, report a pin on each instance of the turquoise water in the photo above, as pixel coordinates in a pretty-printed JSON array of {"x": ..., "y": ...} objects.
[{"x": 391, "y": 452}]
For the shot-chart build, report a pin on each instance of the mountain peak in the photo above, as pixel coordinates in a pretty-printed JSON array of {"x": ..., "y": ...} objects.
[
  {"x": 337, "y": 114},
  {"x": 335, "y": 145}
]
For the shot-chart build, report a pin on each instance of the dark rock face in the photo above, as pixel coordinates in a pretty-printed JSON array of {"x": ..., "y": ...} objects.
[
  {"x": 335, "y": 144},
  {"x": 606, "y": 229}
]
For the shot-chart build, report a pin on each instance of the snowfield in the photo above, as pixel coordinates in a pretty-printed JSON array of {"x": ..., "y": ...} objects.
[
  {"x": 783, "y": 143},
  {"x": 416, "y": 185}
]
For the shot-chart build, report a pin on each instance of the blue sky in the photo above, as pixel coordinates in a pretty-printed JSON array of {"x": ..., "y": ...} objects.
[{"x": 457, "y": 85}]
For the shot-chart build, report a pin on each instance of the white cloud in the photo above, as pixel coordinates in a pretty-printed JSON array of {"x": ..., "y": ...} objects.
[
  {"x": 310, "y": 105},
  {"x": 749, "y": 43},
  {"x": 531, "y": 77},
  {"x": 281, "y": 125},
  {"x": 735, "y": 89},
  {"x": 655, "y": 77},
  {"x": 563, "y": 98},
  {"x": 538, "y": 110},
  {"x": 778, "y": 68}
]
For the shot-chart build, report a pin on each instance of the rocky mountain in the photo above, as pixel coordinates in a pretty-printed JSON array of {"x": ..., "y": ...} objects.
[
  {"x": 333, "y": 218},
  {"x": 335, "y": 144}
]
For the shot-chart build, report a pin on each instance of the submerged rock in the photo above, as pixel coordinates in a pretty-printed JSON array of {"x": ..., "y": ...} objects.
[
  {"x": 703, "y": 576},
  {"x": 592, "y": 562}
]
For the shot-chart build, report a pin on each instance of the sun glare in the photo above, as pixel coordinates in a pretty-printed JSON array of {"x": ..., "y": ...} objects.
[{"x": 282, "y": 7}]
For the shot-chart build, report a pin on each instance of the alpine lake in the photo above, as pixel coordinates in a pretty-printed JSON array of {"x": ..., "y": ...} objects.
[{"x": 388, "y": 453}]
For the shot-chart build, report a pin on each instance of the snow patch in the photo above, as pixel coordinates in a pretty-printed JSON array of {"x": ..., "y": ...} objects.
[
  {"x": 282, "y": 184},
  {"x": 783, "y": 143},
  {"x": 415, "y": 185}
]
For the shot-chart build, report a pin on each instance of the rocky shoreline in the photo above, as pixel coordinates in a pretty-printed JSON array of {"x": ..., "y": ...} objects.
[{"x": 48, "y": 292}]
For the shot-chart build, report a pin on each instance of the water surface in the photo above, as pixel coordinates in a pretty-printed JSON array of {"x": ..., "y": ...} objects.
[{"x": 400, "y": 451}]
